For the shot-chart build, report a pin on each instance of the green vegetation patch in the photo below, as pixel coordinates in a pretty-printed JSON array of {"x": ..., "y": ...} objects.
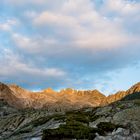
[
  {"x": 83, "y": 117},
  {"x": 70, "y": 130},
  {"x": 132, "y": 96},
  {"x": 40, "y": 121},
  {"x": 59, "y": 117},
  {"x": 137, "y": 102},
  {"x": 76, "y": 127},
  {"x": 78, "y": 116},
  {"x": 24, "y": 130},
  {"x": 105, "y": 127}
]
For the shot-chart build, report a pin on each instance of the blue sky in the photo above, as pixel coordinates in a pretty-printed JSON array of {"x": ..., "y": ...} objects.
[{"x": 82, "y": 44}]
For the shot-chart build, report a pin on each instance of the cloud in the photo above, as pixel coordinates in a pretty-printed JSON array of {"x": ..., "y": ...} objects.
[
  {"x": 23, "y": 2},
  {"x": 123, "y": 7},
  {"x": 8, "y": 24},
  {"x": 15, "y": 67},
  {"x": 32, "y": 45},
  {"x": 87, "y": 27},
  {"x": 69, "y": 43},
  {"x": 55, "y": 20}
]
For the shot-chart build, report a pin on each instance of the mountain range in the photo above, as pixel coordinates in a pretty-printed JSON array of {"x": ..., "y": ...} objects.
[{"x": 65, "y": 99}]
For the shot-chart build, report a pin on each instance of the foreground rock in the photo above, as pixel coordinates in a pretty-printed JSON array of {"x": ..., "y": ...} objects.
[
  {"x": 117, "y": 121},
  {"x": 119, "y": 134},
  {"x": 60, "y": 120}
]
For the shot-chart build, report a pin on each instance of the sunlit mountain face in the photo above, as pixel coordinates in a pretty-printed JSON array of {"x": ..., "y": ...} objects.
[
  {"x": 64, "y": 100},
  {"x": 81, "y": 44}
]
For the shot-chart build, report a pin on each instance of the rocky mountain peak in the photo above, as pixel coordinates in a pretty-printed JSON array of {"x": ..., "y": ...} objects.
[
  {"x": 134, "y": 88},
  {"x": 48, "y": 90},
  {"x": 121, "y": 94},
  {"x": 97, "y": 93},
  {"x": 4, "y": 89},
  {"x": 16, "y": 87},
  {"x": 2, "y": 86},
  {"x": 68, "y": 89}
]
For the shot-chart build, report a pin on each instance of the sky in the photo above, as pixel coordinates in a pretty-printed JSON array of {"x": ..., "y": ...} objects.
[{"x": 80, "y": 44}]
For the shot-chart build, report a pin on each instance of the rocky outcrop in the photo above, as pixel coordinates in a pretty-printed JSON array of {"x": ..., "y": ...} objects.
[
  {"x": 8, "y": 95},
  {"x": 132, "y": 115},
  {"x": 4, "y": 91},
  {"x": 119, "y": 134}
]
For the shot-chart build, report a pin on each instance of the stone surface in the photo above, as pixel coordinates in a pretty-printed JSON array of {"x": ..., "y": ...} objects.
[{"x": 128, "y": 116}]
